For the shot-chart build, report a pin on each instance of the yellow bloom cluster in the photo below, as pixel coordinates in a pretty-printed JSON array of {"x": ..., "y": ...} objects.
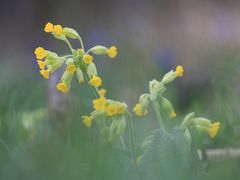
[
  {"x": 99, "y": 104},
  {"x": 214, "y": 129},
  {"x": 41, "y": 53},
  {"x": 56, "y": 29}
]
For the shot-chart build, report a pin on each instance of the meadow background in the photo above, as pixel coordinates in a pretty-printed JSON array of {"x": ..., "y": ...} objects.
[{"x": 41, "y": 132}]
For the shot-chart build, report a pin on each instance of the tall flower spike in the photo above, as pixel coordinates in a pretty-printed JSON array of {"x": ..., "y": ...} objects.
[
  {"x": 112, "y": 52},
  {"x": 48, "y": 27}
]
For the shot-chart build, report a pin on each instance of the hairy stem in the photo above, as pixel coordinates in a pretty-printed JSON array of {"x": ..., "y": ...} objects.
[{"x": 158, "y": 114}]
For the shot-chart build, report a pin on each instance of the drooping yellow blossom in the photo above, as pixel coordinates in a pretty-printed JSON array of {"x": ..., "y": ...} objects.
[
  {"x": 214, "y": 129},
  {"x": 102, "y": 92},
  {"x": 71, "y": 69},
  {"x": 112, "y": 52},
  {"x": 96, "y": 81},
  {"x": 45, "y": 73},
  {"x": 111, "y": 110},
  {"x": 40, "y": 53},
  {"x": 99, "y": 104},
  {"x": 87, "y": 121},
  {"x": 138, "y": 110},
  {"x": 179, "y": 71},
  {"x": 62, "y": 87},
  {"x": 48, "y": 27},
  {"x": 172, "y": 114},
  {"x": 58, "y": 30},
  {"x": 41, "y": 64},
  {"x": 87, "y": 59}
]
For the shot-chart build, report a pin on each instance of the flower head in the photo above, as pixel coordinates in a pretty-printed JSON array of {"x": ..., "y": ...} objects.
[
  {"x": 96, "y": 81},
  {"x": 87, "y": 59},
  {"x": 41, "y": 64},
  {"x": 99, "y": 104},
  {"x": 112, "y": 52},
  {"x": 172, "y": 114},
  {"x": 71, "y": 69},
  {"x": 179, "y": 71},
  {"x": 48, "y": 27},
  {"x": 111, "y": 110},
  {"x": 138, "y": 110},
  {"x": 102, "y": 92},
  {"x": 62, "y": 87},
  {"x": 45, "y": 73},
  {"x": 40, "y": 53},
  {"x": 214, "y": 129},
  {"x": 87, "y": 120},
  {"x": 58, "y": 30}
]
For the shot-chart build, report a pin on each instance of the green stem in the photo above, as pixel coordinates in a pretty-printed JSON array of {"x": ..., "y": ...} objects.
[
  {"x": 81, "y": 42},
  {"x": 69, "y": 45},
  {"x": 123, "y": 142},
  {"x": 132, "y": 137},
  {"x": 158, "y": 114}
]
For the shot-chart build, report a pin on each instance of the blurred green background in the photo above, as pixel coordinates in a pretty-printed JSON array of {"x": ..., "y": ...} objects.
[{"x": 41, "y": 132}]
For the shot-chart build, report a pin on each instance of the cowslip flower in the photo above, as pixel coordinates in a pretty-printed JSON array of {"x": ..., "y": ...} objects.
[
  {"x": 172, "y": 114},
  {"x": 112, "y": 52},
  {"x": 96, "y": 81},
  {"x": 111, "y": 110},
  {"x": 45, "y": 73},
  {"x": 214, "y": 129},
  {"x": 87, "y": 120},
  {"x": 71, "y": 69},
  {"x": 99, "y": 104},
  {"x": 40, "y": 53},
  {"x": 62, "y": 87},
  {"x": 87, "y": 59},
  {"x": 58, "y": 30},
  {"x": 179, "y": 71},
  {"x": 48, "y": 27},
  {"x": 41, "y": 64},
  {"x": 102, "y": 92},
  {"x": 138, "y": 110}
]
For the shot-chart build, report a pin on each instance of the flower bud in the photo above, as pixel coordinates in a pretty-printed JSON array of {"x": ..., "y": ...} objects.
[
  {"x": 202, "y": 122},
  {"x": 79, "y": 75},
  {"x": 187, "y": 119},
  {"x": 70, "y": 33},
  {"x": 99, "y": 50},
  {"x": 121, "y": 126},
  {"x": 156, "y": 88},
  {"x": 91, "y": 70},
  {"x": 168, "y": 107},
  {"x": 144, "y": 102},
  {"x": 169, "y": 77}
]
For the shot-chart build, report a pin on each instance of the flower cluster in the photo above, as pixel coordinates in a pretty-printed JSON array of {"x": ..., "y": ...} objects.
[{"x": 79, "y": 62}]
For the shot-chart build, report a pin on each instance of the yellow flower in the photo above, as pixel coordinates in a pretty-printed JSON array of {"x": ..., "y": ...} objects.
[
  {"x": 41, "y": 64},
  {"x": 80, "y": 50},
  {"x": 214, "y": 129},
  {"x": 112, "y": 52},
  {"x": 71, "y": 69},
  {"x": 48, "y": 27},
  {"x": 111, "y": 110},
  {"x": 179, "y": 71},
  {"x": 44, "y": 73},
  {"x": 87, "y": 120},
  {"x": 95, "y": 81},
  {"x": 87, "y": 59},
  {"x": 40, "y": 53},
  {"x": 120, "y": 109},
  {"x": 138, "y": 110},
  {"x": 62, "y": 87},
  {"x": 172, "y": 114},
  {"x": 102, "y": 92},
  {"x": 99, "y": 104},
  {"x": 58, "y": 30}
]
